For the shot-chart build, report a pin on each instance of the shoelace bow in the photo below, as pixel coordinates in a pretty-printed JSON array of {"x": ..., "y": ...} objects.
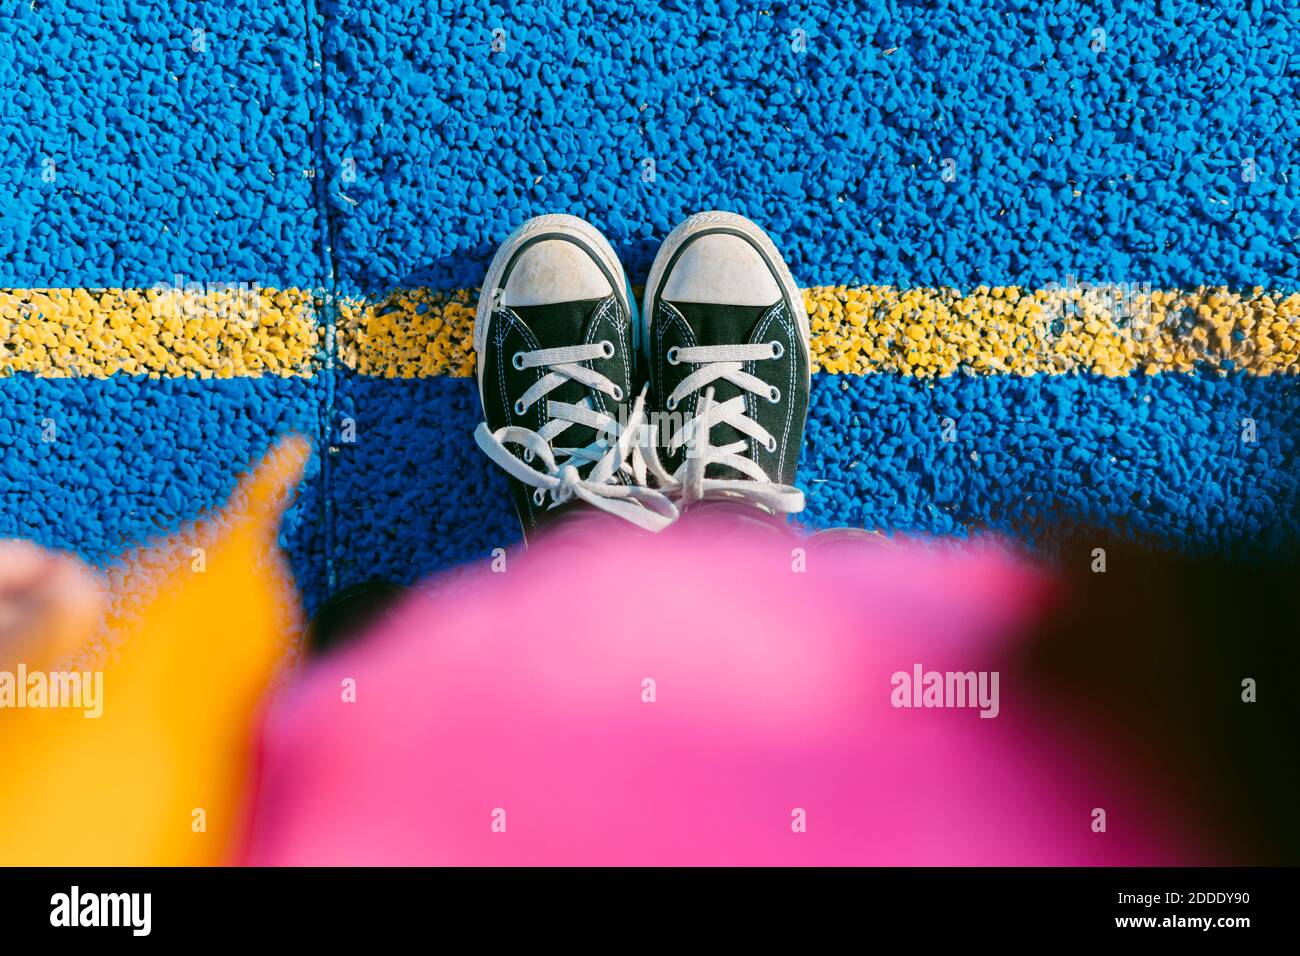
[
  {"x": 561, "y": 479},
  {"x": 724, "y": 362}
]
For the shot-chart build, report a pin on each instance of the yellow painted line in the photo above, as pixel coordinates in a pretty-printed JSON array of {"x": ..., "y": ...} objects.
[
  {"x": 410, "y": 333},
  {"x": 221, "y": 331},
  {"x": 1110, "y": 331},
  {"x": 216, "y": 330},
  {"x": 919, "y": 332}
]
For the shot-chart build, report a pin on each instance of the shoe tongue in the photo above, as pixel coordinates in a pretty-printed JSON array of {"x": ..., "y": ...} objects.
[
  {"x": 722, "y": 325},
  {"x": 559, "y": 325}
]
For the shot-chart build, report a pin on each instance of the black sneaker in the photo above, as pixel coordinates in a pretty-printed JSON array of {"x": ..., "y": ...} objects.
[
  {"x": 727, "y": 346},
  {"x": 555, "y": 337}
]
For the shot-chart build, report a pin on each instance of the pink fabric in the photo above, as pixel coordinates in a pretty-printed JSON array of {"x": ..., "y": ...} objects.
[{"x": 523, "y": 692}]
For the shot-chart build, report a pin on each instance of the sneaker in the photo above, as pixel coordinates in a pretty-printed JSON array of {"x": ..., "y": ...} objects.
[
  {"x": 555, "y": 337},
  {"x": 727, "y": 347}
]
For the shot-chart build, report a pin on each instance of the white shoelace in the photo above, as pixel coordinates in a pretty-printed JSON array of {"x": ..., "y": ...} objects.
[
  {"x": 724, "y": 362},
  {"x": 642, "y": 506}
]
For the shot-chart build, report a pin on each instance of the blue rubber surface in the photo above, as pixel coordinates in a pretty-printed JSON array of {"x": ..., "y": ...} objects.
[
  {"x": 412, "y": 495},
  {"x": 429, "y": 146},
  {"x": 1124, "y": 165},
  {"x": 96, "y": 466},
  {"x": 144, "y": 140}
]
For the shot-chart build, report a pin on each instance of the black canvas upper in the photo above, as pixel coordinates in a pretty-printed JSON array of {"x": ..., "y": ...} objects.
[
  {"x": 529, "y": 328},
  {"x": 686, "y": 324}
]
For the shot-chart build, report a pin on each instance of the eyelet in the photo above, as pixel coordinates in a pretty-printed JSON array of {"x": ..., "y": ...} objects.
[
  {"x": 771, "y": 443},
  {"x": 607, "y": 348},
  {"x": 617, "y": 394},
  {"x": 672, "y": 356},
  {"x": 528, "y": 455},
  {"x": 774, "y": 395},
  {"x": 520, "y": 409},
  {"x": 518, "y": 360},
  {"x": 671, "y": 403},
  {"x": 777, "y": 349},
  {"x": 539, "y": 497}
]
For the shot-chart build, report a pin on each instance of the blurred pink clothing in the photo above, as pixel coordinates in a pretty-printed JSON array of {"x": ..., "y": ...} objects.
[{"x": 505, "y": 718}]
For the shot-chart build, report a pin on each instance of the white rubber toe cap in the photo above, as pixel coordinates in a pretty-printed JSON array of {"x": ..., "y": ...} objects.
[
  {"x": 554, "y": 270},
  {"x": 722, "y": 269}
]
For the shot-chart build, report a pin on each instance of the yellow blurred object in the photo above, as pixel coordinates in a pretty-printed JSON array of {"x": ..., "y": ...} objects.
[{"x": 160, "y": 778}]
